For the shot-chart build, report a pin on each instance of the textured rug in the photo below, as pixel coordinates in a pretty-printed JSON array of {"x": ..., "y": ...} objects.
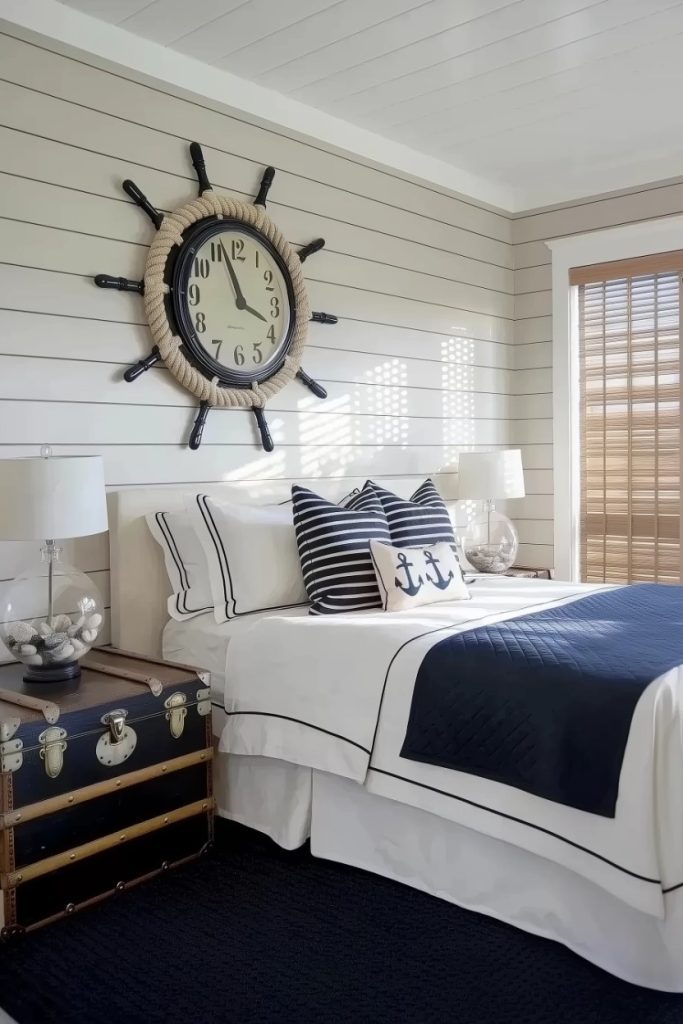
[{"x": 254, "y": 935}]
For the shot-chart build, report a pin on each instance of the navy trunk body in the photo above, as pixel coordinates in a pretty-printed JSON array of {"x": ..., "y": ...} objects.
[{"x": 544, "y": 702}]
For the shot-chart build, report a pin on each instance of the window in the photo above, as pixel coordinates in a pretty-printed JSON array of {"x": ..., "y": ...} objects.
[{"x": 628, "y": 320}]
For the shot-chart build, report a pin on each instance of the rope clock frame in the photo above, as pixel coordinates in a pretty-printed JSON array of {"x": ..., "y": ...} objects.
[{"x": 172, "y": 344}]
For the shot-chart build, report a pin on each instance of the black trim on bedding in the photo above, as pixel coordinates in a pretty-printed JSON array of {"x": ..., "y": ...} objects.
[
  {"x": 174, "y": 551},
  {"x": 521, "y": 821},
  {"x": 299, "y": 721}
]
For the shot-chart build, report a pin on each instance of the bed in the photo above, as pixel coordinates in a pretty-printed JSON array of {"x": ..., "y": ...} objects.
[{"x": 298, "y": 753}]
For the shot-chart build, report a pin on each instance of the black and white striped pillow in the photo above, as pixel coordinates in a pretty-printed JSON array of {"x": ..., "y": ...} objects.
[
  {"x": 422, "y": 520},
  {"x": 334, "y": 548}
]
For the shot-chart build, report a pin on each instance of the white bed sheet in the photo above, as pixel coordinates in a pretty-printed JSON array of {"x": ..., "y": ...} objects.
[{"x": 204, "y": 642}]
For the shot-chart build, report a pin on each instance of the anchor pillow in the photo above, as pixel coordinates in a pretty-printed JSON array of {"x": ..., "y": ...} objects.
[{"x": 408, "y": 577}]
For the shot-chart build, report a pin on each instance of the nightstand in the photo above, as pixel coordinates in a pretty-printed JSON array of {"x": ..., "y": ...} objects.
[
  {"x": 527, "y": 573},
  {"x": 103, "y": 782}
]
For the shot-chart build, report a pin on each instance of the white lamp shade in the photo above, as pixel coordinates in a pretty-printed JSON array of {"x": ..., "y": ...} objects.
[
  {"x": 491, "y": 474},
  {"x": 52, "y": 498}
]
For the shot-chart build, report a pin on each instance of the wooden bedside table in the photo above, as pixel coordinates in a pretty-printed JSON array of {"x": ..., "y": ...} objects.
[
  {"x": 524, "y": 572},
  {"x": 104, "y": 782}
]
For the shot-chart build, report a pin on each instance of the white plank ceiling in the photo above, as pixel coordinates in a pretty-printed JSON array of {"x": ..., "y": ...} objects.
[{"x": 550, "y": 98}]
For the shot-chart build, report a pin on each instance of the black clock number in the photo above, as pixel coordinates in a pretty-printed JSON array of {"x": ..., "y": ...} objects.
[
  {"x": 256, "y": 263},
  {"x": 193, "y": 293},
  {"x": 201, "y": 268},
  {"x": 274, "y": 307},
  {"x": 216, "y": 253},
  {"x": 258, "y": 354},
  {"x": 217, "y": 342},
  {"x": 268, "y": 278},
  {"x": 237, "y": 247},
  {"x": 238, "y": 355},
  {"x": 200, "y": 323},
  {"x": 271, "y": 334}
]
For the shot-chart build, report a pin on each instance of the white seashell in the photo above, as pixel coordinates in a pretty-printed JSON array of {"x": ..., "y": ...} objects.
[
  {"x": 22, "y": 632},
  {"x": 94, "y": 621},
  {"x": 27, "y": 649},
  {"x": 63, "y": 652},
  {"x": 77, "y": 646},
  {"x": 88, "y": 636},
  {"x": 72, "y": 630},
  {"x": 45, "y": 629},
  {"x": 34, "y": 659},
  {"x": 61, "y": 623}
]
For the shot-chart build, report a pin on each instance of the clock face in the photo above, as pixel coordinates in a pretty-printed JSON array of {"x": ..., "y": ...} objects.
[{"x": 233, "y": 300}]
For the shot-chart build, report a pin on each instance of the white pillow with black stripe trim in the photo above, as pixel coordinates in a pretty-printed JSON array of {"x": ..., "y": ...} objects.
[
  {"x": 252, "y": 556},
  {"x": 334, "y": 548},
  {"x": 185, "y": 564},
  {"x": 421, "y": 520}
]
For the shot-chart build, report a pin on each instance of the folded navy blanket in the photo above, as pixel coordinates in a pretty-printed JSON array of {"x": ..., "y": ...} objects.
[{"x": 544, "y": 702}]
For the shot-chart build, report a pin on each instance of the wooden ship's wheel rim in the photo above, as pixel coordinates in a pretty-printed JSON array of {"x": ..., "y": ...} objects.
[{"x": 168, "y": 343}]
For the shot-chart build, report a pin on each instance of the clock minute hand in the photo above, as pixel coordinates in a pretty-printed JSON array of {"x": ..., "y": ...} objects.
[{"x": 240, "y": 300}]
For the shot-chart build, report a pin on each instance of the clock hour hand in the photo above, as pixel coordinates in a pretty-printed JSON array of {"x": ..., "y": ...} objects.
[
  {"x": 240, "y": 300},
  {"x": 255, "y": 312}
]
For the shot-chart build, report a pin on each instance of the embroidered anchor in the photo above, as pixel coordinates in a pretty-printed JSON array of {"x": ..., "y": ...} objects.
[
  {"x": 440, "y": 582},
  {"x": 412, "y": 588}
]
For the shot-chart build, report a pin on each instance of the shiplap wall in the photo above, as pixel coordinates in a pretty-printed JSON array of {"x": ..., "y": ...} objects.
[
  {"x": 420, "y": 366},
  {"x": 533, "y": 324}
]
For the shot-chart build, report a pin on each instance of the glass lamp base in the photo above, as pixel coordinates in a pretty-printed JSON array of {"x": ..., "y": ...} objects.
[
  {"x": 52, "y": 673},
  {"x": 490, "y": 542}
]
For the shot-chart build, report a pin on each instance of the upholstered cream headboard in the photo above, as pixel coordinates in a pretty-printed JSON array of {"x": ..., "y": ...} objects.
[{"x": 139, "y": 584}]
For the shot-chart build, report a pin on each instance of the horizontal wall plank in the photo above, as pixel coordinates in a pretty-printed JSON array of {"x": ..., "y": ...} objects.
[
  {"x": 155, "y": 464},
  {"x": 532, "y": 304},
  {"x": 537, "y": 355},
  {"x": 529, "y": 407},
  {"x": 531, "y": 432},
  {"x": 534, "y": 329},
  {"x": 387, "y": 394},
  {"x": 535, "y": 531},
  {"x": 96, "y": 425},
  {"x": 533, "y": 381}
]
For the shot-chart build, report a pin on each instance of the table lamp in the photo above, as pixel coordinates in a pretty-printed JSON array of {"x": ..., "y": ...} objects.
[
  {"x": 490, "y": 542},
  {"x": 51, "y": 614}
]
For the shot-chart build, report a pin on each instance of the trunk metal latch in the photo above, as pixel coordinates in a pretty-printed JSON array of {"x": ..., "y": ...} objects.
[
  {"x": 116, "y": 746},
  {"x": 53, "y": 745},
  {"x": 176, "y": 713}
]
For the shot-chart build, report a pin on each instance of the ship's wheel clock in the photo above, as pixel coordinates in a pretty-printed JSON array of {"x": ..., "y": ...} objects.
[{"x": 225, "y": 299}]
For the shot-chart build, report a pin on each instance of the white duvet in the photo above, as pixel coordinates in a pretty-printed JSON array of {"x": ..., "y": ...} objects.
[{"x": 333, "y": 693}]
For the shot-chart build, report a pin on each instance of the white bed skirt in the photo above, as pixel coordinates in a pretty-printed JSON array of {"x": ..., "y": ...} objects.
[{"x": 348, "y": 825}]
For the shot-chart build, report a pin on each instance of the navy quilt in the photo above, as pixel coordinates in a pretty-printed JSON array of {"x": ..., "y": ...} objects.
[{"x": 544, "y": 702}]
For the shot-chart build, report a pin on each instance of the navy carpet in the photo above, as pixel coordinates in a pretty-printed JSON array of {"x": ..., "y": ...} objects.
[{"x": 254, "y": 935}]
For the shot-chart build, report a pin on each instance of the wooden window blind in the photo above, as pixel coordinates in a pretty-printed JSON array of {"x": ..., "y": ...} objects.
[{"x": 629, "y": 325}]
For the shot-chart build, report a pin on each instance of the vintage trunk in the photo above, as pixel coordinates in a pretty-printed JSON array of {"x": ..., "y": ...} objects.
[{"x": 102, "y": 783}]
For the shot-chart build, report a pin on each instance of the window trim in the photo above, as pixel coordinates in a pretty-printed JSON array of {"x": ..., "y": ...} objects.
[{"x": 626, "y": 242}]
